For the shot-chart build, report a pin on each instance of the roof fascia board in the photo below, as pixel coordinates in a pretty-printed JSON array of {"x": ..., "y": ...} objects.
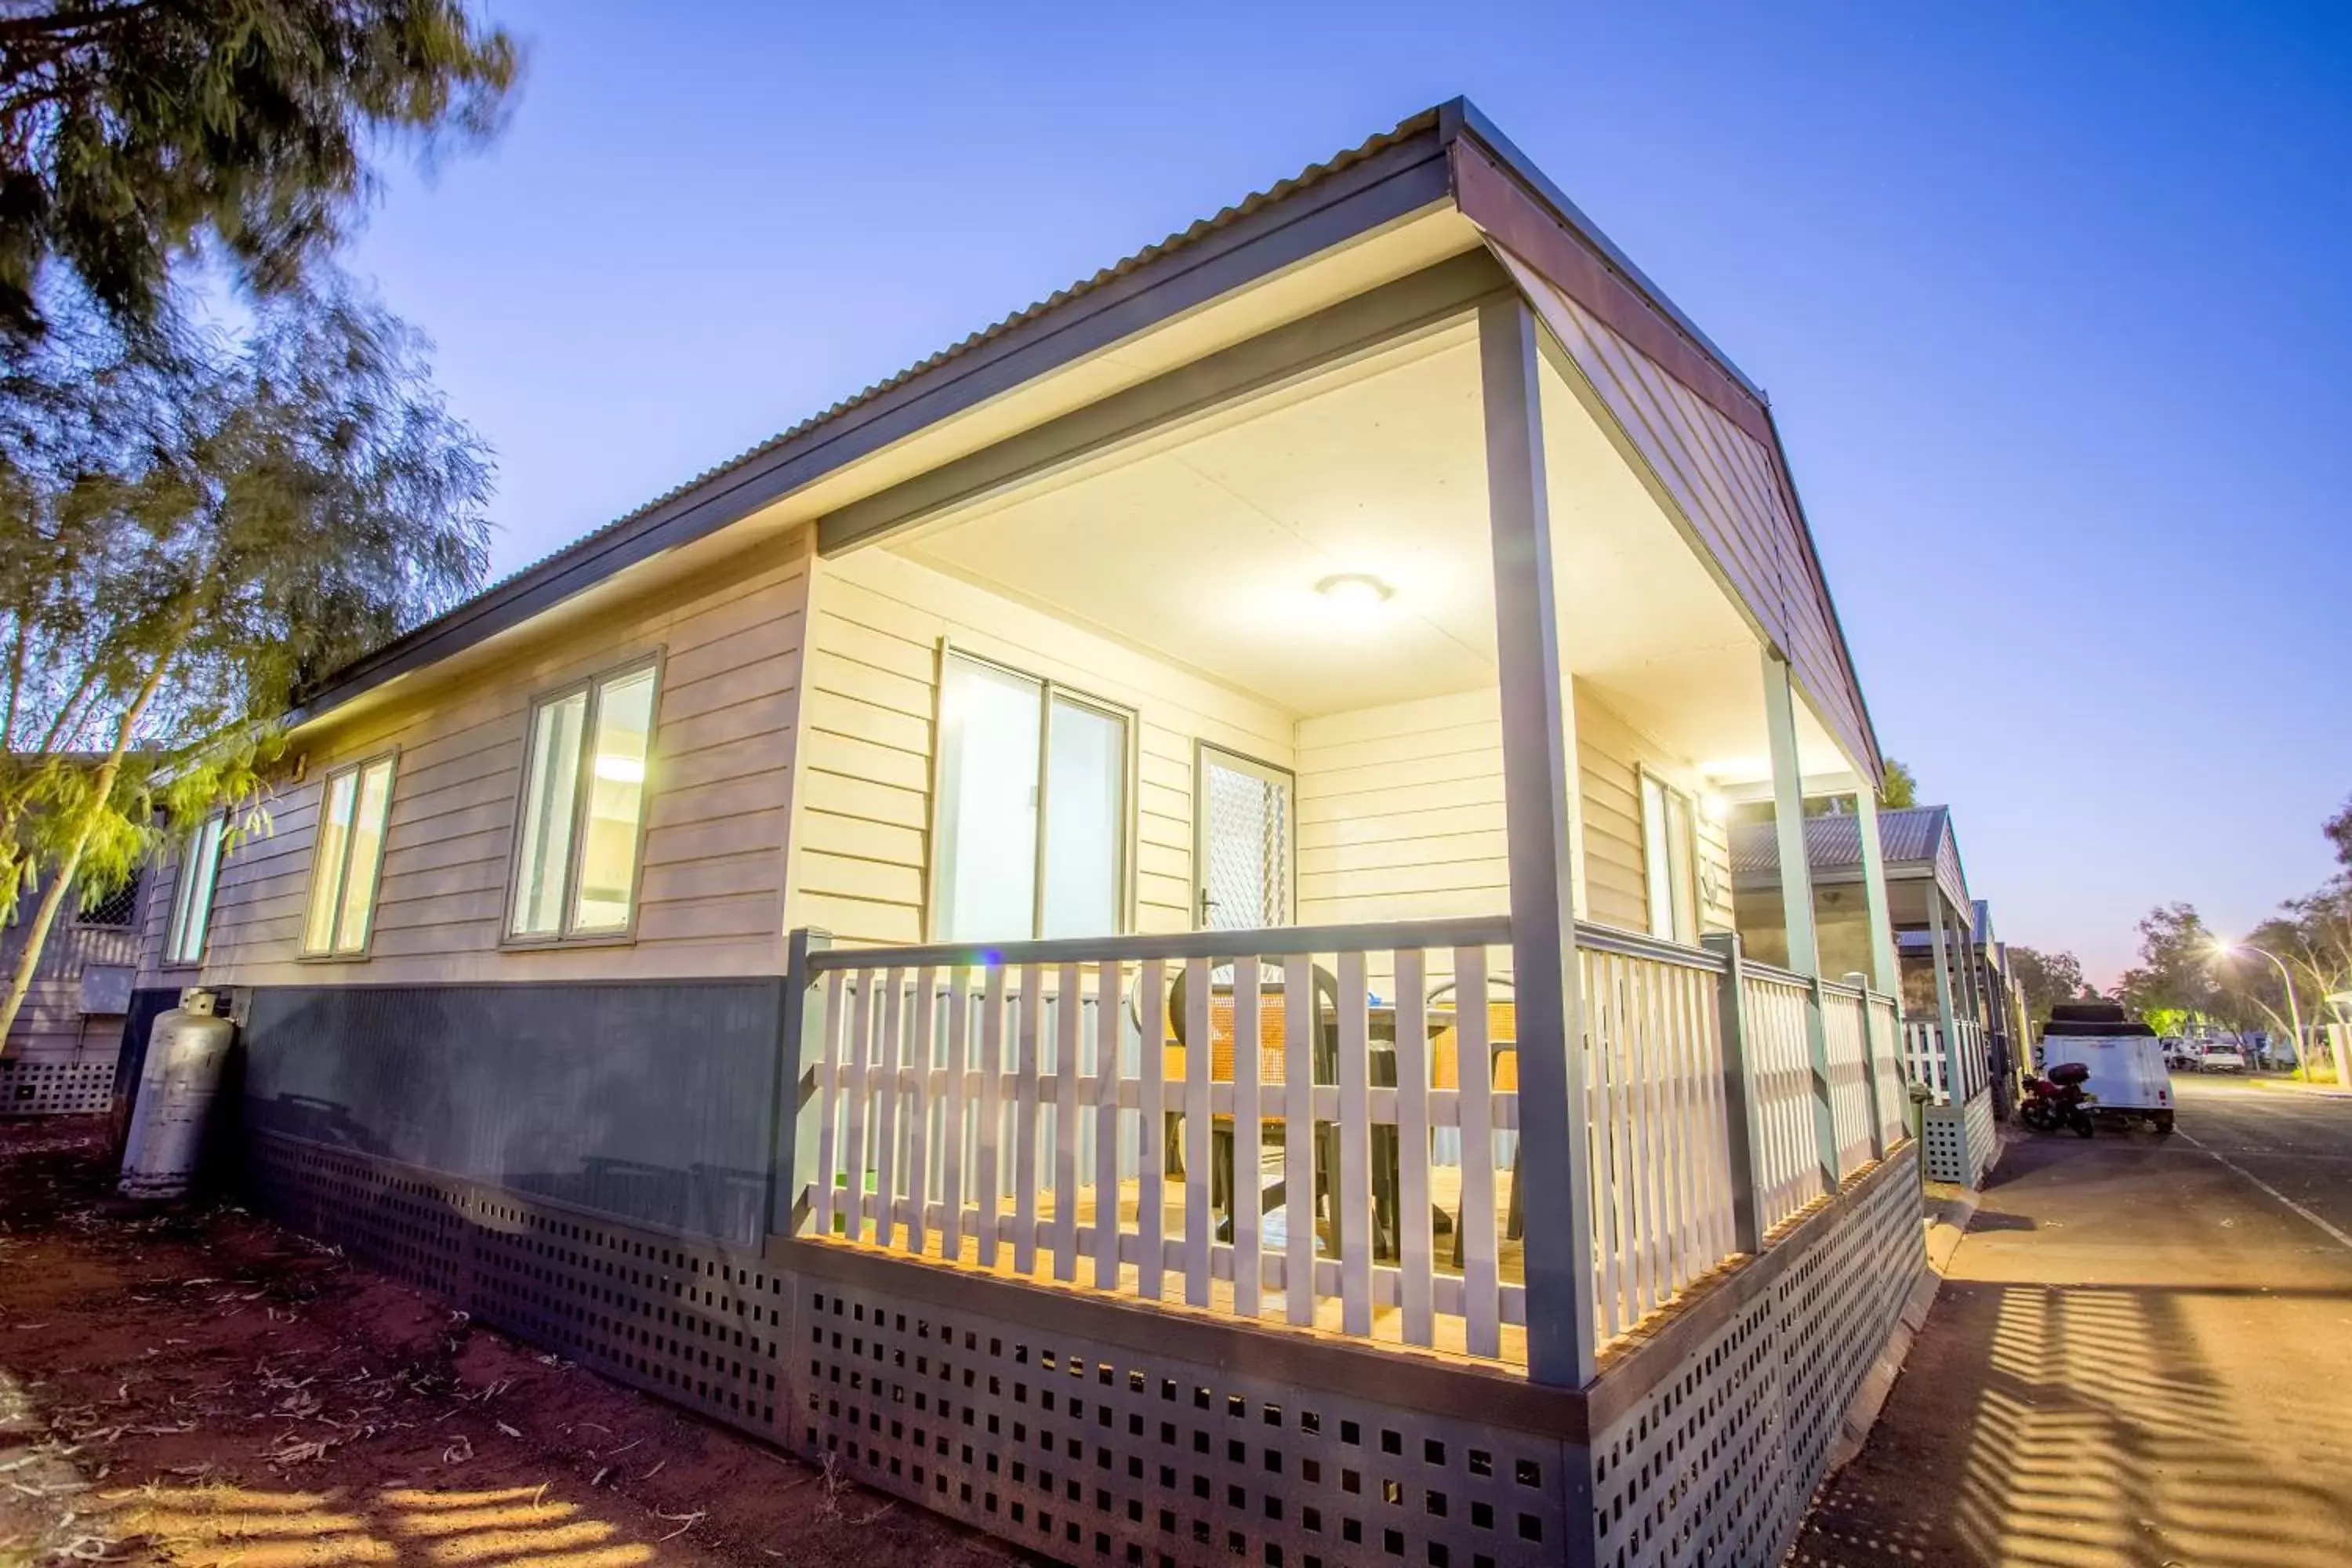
[
  {"x": 1380, "y": 320},
  {"x": 1405, "y": 177},
  {"x": 1461, "y": 116}
]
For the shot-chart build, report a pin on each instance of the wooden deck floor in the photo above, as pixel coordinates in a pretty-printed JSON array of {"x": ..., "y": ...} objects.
[{"x": 1273, "y": 1306}]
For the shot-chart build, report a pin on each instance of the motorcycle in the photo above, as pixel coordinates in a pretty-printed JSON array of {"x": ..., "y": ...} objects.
[{"x": 2057, "y": 1102}]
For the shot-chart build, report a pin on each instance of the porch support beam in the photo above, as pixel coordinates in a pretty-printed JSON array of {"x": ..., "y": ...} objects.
[
  {"x": 1415, "y": 306},
  {"x": 1886, "y": 974},
  {"x": 1788, "y": 816},
  {"x": 1537, "y": 778},
  {"x": 1944, "y": 1013},
  {"x": 1797, "y": 897}
]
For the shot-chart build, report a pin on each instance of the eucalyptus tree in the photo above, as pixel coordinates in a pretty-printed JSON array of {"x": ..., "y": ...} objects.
[
  {"x": 137, "y": 134},
  {"x": 204, "y": 535}
]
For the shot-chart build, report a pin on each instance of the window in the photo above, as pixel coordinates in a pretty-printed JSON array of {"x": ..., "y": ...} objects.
[
  {"x": 1032, "y": 810},
  {"x": 349, "y": 854},
  {"x": 192, "y": 899},
  {"x": 583, "y": 805},
  {"x": 115, "y": 910},
  {"x": 1669, "y": 871}
]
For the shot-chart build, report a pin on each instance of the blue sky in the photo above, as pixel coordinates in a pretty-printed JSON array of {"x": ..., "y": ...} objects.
[{"x": 2051, "y": 304}]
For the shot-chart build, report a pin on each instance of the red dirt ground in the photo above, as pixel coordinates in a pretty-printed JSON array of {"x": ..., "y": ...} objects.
[{"x": 188, "y": 1384}]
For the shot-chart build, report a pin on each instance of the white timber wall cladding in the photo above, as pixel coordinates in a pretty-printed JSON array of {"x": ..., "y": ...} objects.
[
  {"x": 1400, "y": 812},
  {"x": 718, "y": 803},
  {"x": 1611, "y": 753},
  {"x": 861, "y": 859}
]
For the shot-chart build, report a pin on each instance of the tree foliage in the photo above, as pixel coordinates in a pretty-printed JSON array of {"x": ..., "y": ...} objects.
[
  {"x": 2048, "y": 979},
  {"x": 198, "y": 537},
  {"x": 1901, "y": 789},
  {"x": 137, "y": 132},
  {"x": 2176, "y": 969},
  {"x": 2338, "y": 829}
]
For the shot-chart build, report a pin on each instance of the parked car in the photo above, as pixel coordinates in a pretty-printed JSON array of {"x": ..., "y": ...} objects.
[
  {"x": 2122, "y": 1062},
  {"x": 2178, "y": 1054},
  {"x": 2221, "y": 1055}
]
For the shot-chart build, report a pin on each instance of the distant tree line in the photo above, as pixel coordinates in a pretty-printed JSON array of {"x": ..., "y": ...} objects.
[{"x": 2185, "y": 976}]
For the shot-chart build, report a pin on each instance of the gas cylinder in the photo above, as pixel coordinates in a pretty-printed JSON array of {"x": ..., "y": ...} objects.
[{"x": 185, "y": 1052}]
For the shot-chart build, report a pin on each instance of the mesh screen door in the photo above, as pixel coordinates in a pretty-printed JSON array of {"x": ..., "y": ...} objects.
[{"x": 1241, "y": 826}]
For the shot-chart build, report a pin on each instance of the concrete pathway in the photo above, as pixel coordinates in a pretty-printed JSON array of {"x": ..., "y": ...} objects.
[{"x": 2142, "y": 1355}]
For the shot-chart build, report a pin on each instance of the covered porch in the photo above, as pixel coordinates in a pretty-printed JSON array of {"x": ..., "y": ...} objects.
[
  {"x": 1370, "y": 695},
  {"x": 1954, "y": 1046}
]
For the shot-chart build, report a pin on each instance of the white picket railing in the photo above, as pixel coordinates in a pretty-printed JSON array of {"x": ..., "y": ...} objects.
[
  {"x": 1086, "y": 1113},
  {"x": 1661, "y": 1175},
  {"x": 1926, "y": 1061},
  {"x": 1778, "y": 1007},
  {"x": 1031, "y": 1110},
  {"x": 1885, "y": 1024},
  {"x": 1845, "y": 1034}
]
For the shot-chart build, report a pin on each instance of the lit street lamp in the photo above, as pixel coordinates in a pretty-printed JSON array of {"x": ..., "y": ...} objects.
[{"x": 2222, "y": 949}]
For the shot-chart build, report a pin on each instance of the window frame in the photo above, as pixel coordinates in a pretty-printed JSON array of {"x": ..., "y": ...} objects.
[
  {"x": 564, "y": 935},
  {"x": 936, "y": 838},
  {"x": 1682, "y": 871},
  {"x": 216, "y": 827},
  {"x": 358, "y": 768}
]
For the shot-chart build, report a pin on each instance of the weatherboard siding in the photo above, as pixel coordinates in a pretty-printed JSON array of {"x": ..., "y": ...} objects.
[
  {"x": 862, "y": 867},
  {"x": 711, "y": 897}
]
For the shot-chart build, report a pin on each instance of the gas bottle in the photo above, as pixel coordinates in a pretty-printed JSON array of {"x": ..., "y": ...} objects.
[{"x": 185, "y": 1052}]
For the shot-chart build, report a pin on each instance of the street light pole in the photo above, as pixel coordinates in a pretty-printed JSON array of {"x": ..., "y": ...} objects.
[{"x": 2293, "y": 1014}]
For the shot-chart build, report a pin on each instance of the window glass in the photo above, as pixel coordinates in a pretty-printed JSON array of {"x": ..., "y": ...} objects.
[
  {"x": 192, "y": 900},
  {"x": 1657, "y": 858},
  {"x": 989, "y": 720},
  {"x": 366, "y": 856},
  {"x": 1086, "y": 798},
  {"x": 617, "y": 791},
  {"x": 551, "y": 786},
  {"x": 326, "y": 872}
]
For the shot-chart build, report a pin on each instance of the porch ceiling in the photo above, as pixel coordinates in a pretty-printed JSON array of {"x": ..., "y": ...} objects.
[{"x": 1204, "y": 543}]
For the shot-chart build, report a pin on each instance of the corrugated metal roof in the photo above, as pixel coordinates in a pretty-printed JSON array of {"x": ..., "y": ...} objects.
[
  {"x": 1910, "y": 838},
  {"x": 1312, "y": 174}
]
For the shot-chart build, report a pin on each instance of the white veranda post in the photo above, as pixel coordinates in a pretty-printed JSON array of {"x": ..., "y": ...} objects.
[
  {"x": 1944, "y": 1014},
  {"x": 1537, "y": 780},
  {"x": 1886, "y": 976},
  {"x": 1797, "y": 894}
]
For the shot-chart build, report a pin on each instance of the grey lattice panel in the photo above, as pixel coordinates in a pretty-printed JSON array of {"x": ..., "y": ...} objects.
[
  {"x": 1715, "y": 1465},
  {"x": 1086, "y": 1451},
  {"x": 33, "y": 1087},
  {"x": 694, "y": 1323},
  {"x": 1944, "y": 1132},
  {"x": 1082, "y": 1447}
]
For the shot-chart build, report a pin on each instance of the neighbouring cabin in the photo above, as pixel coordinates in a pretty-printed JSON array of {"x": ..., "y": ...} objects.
[
  {"x": 60, "y": 1056},
  {"x": 1961, "y": 1016},
  {"x": 1160, "y": 877}
]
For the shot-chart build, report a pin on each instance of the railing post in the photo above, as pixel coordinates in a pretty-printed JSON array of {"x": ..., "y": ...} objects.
[
  {"x": 1817, "y": 1042},
  {"x": 801, "y": 1025},
  {"x": 1869, "y": 1063},
  {"x": 1739, "y": 1098}
]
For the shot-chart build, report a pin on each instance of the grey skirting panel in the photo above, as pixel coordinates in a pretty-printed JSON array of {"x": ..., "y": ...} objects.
[
  {"x": 46, "y": 1085},
  {"x": 1096, "y": 1433},
  {"x": 652, "y": 1102}
]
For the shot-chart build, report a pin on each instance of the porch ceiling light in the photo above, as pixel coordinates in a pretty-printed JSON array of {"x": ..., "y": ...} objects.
[
  {"x": 1713, "y": 808},
  {"x": 1355, "y": 590}
]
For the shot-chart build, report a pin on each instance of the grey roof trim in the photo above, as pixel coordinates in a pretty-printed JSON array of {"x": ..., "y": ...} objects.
[{"x": 1461, "y": 114}]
